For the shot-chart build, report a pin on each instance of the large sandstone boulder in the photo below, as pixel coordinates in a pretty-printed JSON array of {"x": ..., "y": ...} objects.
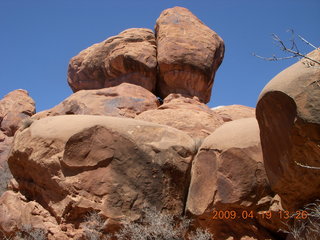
[
  {"x": 125, "y": 100},
  {"x": 128, "y": 57},
  {"x": 14, "y": 108},
  {"x": 77, "y": 164},
  {"x": 228, "y": 175},
  {"x": 234, "y": 112},
  {"x": 186, "y": 114},
  {"x": 188, "y": 53},
  {"x": 288, "y": 114}
]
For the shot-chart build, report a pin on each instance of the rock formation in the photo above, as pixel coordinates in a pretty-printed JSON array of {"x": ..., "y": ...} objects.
[
  {"x": 234, "y": 112},
  {"x": 288, "y": 115},
  {"x": 228, "y": 175},
  {"x": 124, "y": 100},
  {"x": 16, "y": 212},
  {"x": 72, "y": 165},
  {"x": 176, "y": 109},
  {"x": 188, "y": 53},
  {"x": 128, "y": 57},
  {"x": 15, "y": 108},
  {"x": 137, "y": 135}
]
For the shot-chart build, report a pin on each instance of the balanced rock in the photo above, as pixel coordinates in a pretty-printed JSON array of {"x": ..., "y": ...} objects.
[
  {"x": 288, "y": 114},
  {"x": 186, "y": 114},
  {"x": 15, "y": 107},
  {"x": 234, "y": 112},
  {"x": 228, "y": 176},
  {"x": 76, "y": 164},
  {"x": 128, "y": 57},
  {"x": 188, "y": 53},
  {"x": 124, "y": 100}
]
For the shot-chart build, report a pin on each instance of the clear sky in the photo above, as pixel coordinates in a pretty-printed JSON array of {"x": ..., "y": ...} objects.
[{"x": 38, "y": 38}]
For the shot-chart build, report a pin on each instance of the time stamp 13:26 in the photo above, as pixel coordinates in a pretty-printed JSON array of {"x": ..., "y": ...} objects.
[{"x": 245, "y": 214}]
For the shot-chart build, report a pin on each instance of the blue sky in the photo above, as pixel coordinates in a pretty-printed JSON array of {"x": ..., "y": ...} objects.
[{"x": 38, "y": 38}]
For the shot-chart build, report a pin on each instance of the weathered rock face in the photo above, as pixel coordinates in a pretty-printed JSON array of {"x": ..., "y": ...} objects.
[
  {"x": 188, "y": 53},
  {"x": 128, "y": 57},
  {"x": 288, "y": 115},
  {"x": 234, "y": 112},
  {"x": 5, "y": 145},
  {"x": 72, "y": 165},
  {"x": 186, "y": 114},
  {"x": 17, "y": 214},
  {"x": 228, "y": 175},
  {"x": 15, "y": 107},
  {"x": 125, "y": 100}
]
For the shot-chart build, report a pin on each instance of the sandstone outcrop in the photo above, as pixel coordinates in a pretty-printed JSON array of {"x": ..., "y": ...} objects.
[
  {"x": 128, "y": 57},
  {"x": 124, "y": 100},
  {"x": 14, "y": 108},
  {"x": 228, "y": 175},
  {"x": 136, "y": 135},
  {"x": 186, "y": 114},
  {"x": 17, "y": 214},
  {"x": 234, "y": 112},
  {"x": 5, "y": 145},
  {"x": 288, "y": 115},
  {"x": 76, "y": 164},
  {"x": 188, "y": 54}
]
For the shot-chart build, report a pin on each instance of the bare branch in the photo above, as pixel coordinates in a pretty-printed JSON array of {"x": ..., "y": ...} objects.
[
  {"x": 293, "y": 50},
  {"x": 273, "y": 58},
  {"x": 307, "y": 42},
  {"x": 306, "y": 166}
]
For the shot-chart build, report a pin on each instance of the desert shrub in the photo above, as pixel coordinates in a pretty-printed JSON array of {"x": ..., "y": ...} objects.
[
  {"x": 152, "y": 226},
  {"x": 309, "y": 228},
  {"x": 201, "y": 234},
  {"x": 5, "y": 176},
  {"x": 93, "y": 227},
  {"x": 27, "y": 232},
  {"x": 160, "y": 226}
]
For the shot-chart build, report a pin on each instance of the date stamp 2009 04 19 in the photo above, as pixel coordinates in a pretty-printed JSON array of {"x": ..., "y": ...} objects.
[{"x": 234, "y": 215}]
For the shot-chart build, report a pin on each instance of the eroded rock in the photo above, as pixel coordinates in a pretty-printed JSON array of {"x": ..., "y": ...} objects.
[
  {"x": 14, "y": 108},
  {"x": 288, "y": 115},
  {"x": 228, "y": 175},
  {"x": 17, "y": 214},
  {"x": 186, "y": 114},
  {"x": 72, "y": 165},
  {"x": 128, "y": 57},
  {"x": 188, "y": 53},
  {"x": 125, "y": 100},
  {"x": 234, "y": 112}
]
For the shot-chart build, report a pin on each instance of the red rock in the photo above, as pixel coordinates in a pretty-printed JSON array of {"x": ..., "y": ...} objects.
[
  {"x": 125, "y": 100},
  {"x": 288, "y": 115},
  {"x": 16, "y": 213},
  {"x": 128, "y": 57},
  {"x": 188, "y": 53},
  {"x": 76, "y": 164},
  {"x": 14, "y": 108},
  {"x": 186, "y": 114},
  {"x": 228, "y": 175},
  {"x": 234, "y": 112},
  {"x": 5, "y": 145}
]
